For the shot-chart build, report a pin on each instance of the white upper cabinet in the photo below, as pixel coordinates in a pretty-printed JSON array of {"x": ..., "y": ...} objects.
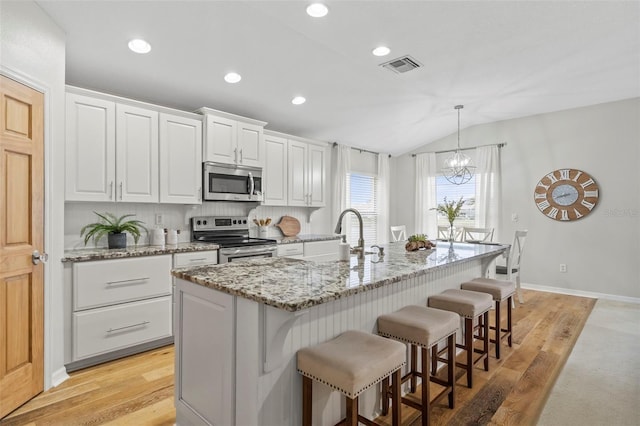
[
  {"x": 136, "y": 154},
  {"x": 180, "y": 159},
  {"x": 232, "y": 139},
  {"x": 90, "y": 149},
  {"x": 127, "y": 151},
  {"x": 306, "y": 174},
  {"x": 275, "y": 171}
]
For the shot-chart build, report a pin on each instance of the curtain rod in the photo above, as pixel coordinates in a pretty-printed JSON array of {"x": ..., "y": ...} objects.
[
  {"x": 499, "y": 145},
  {"x": 360, "y": 149}
]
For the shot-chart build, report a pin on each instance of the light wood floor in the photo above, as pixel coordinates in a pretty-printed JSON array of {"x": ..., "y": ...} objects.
[{"x": 138, "y": 390}]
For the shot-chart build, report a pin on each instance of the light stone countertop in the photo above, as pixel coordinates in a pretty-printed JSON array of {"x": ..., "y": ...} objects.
[
  {"x": 293, "y": 285},
  {"x": 306, "y": 238},
  {"x": 84, "y": 255}
]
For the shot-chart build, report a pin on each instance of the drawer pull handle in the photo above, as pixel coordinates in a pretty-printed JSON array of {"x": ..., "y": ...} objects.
[
  {"x": 198, "y": 259},
  {"x": 111, "y": 330},
  {"x": 135, "y": 280}
]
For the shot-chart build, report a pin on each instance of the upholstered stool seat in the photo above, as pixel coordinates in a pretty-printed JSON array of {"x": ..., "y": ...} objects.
[
  {"x": 500, "y": 290},
  {"x": 424, "y": 327},
  {"x": 351, "y": 363},
  {"x": 469, "y": 305}
]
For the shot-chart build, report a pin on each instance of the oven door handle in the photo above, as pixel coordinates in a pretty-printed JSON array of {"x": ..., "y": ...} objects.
[{"x": 246, "y": 250}]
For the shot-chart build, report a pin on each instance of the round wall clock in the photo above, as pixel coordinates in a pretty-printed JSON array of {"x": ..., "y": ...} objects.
[{"x": 566, "y": 194}]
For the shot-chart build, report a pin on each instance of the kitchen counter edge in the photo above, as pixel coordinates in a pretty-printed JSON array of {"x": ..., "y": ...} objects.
[{"x": 85, "y": 255}]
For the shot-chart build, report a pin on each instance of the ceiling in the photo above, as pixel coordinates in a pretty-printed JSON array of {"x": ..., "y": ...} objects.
[{"x": 501, "y": 59}]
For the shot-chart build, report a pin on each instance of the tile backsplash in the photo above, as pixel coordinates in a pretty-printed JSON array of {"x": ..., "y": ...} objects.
[{"x": 175, "y": 216}]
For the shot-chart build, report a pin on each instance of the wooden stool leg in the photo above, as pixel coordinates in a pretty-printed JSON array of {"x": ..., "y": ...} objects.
[
  {"x": 307, "y": 388},
  {"x": 426, "y": 408},
  {"x": 451, "y": 368},
  {"x": 498, "y": 327},
  {"x": 352, "y": 411},
  {"x": 385, "y": 396},
  {"x": 414, "y": 368},
  {"x": 434, "y": 360},
  {"x": 468, "y": 344},
  {"x": 396, "y": 410},
  {"x": 509, "y": 319},
  {"x": 485, "y": 339}
]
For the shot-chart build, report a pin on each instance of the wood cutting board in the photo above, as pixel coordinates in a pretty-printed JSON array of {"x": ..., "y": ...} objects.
[{"x": 290, "y": 226}]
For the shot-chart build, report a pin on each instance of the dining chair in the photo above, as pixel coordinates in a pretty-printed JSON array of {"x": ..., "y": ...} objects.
[
  {"x": 513, "y": 262},
  {"x": 443, "y": 233},
  {"x": 483, "y": 235},
  {"x": 399, "y": 233}
]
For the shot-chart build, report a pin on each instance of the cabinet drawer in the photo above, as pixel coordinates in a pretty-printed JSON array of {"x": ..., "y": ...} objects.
[
  {"x": 294, "y": 249},
  {"x": 102, "y": 330},
  {"x": 107, "y": 282},
  {"x": 195, "y": 258},
  {"x": 318, "y": 248}
]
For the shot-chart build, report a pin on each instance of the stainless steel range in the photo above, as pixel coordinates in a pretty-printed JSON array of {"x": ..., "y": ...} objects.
[{"x": 231, "y": 233}]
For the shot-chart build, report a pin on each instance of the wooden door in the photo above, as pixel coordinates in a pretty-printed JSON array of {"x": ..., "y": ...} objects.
[
  {"x": 21, "y": 232},
  {"x": 317, "y": 178},
  {"x": 274, "y": 175},
  {"x": 221, "y": 140},
  {"x": 297, "y": 173},
  {"x": 250, "y": 144}
]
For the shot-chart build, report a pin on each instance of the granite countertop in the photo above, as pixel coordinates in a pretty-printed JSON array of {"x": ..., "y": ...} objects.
[
  {"x": 83, "y": 255},
  {"x": 306, "y": 238},
  {"x": 293, "y": 285}
]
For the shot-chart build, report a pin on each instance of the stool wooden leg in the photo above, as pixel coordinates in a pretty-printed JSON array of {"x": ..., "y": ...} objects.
[
  {"x": 426, "y": 398},
  {"x": 509, "y": 319},
  {"x": 307, "y": 388},
  {"x": 385, "y": 396},
  {"x": 396, "y": 410},
  {"x": 414, "y": 364},
  {"x": 451, "y": 367},
  {"x": 468, "y": 344},
  {"x": 498, "y": 327},
  {"x": 352, "y": 411},
  {"x": 485, "y": 339},
  {"x": 434, "y": 360}
]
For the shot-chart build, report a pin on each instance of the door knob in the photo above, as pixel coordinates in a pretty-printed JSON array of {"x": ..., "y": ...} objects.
[{"x": 37, "y": 257}]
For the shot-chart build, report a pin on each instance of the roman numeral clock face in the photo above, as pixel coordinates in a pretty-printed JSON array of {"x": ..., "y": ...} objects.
[{"x": 566, "y": 194}]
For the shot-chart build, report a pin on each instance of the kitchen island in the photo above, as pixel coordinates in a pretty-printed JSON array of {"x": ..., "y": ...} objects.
[{"x": 239, "y": 325}]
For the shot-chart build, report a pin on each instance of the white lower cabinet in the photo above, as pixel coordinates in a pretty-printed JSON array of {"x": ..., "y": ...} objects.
[
  {"x": 118, "y": 307},
  {"x": 320, "y": 251},
  {"x": 293, "y": 250}
]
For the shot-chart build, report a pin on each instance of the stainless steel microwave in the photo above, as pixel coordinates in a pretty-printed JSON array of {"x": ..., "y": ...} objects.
[{"x": 224, "y": 182}]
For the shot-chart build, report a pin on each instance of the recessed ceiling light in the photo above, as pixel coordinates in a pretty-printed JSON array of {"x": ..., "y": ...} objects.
[
  {"x": 317, "y": 10},
  {"x": 381, "y": 51},
  {"x": 298, "y": 100},
  {"x": 232, "y": 77},
  {"x": 139, "y": 46}
]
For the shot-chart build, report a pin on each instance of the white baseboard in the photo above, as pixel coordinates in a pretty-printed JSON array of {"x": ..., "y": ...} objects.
[
  {"x": 591, "y": 294},
  {"x": 59, "y": 376}
]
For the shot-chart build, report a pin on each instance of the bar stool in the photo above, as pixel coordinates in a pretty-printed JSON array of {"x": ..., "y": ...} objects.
[
  {"x": 351, "y": 363},
  {"x": 469, "y": 305},
  {"x": 424, "y": 327},
  {"x": 500, "y": 290}
]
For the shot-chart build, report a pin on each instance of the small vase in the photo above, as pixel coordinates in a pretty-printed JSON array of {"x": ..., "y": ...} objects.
[
  {"x": 117, "y": 241},
  {"x": 263, "y": 232},
  {"x": 452, "y": 233}
]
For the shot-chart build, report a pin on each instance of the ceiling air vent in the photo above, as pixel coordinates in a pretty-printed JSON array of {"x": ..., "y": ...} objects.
[{"x": 402, "y": 64}]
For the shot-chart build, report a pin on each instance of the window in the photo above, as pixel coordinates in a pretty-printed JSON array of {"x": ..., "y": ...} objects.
[
  {"x": 361, "y": 195},
  {"x": 444, "y": 188}
]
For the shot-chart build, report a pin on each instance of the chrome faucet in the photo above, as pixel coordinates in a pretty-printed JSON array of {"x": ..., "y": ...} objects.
[
  {"x": 380, "y": 249},
  {"x": 360, "y": 247}
]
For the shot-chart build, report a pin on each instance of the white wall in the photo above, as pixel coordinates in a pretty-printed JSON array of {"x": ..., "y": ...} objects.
[
  {"x": 602, "y": 250},
  {"x": 177, "y": 217},
  {"x": 32, "y": 50}
]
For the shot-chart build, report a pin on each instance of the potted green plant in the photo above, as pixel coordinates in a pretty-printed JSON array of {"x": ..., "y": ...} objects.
[
  {"x": 115, "y": 228},
  {"x": 451, "y": 209}
]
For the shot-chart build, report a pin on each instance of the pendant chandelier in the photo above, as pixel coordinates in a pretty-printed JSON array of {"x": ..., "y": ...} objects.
[{"x": 457, "y": 169}]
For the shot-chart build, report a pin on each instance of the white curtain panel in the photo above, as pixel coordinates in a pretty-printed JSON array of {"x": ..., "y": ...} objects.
[
  {"x": 343, "y": 166},
  {"x": 426, "y": 220},
  {"x": 488, "y": 188},
  {"x": 382, "y": 199}
]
